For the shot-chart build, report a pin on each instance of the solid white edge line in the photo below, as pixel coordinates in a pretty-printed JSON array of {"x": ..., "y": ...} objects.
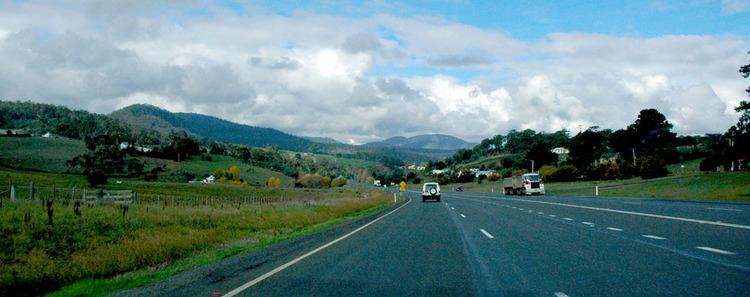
[
  {"x": 653, "y": 237},
  {"x": 463, "y": 216},
  {"x": 300, "y": 258},
  {"x": 561, "y": 294},
  {"x": 487, "y": 234},
  {"x": 623, "y": 212},
  {"x": 714, "y": 250}
]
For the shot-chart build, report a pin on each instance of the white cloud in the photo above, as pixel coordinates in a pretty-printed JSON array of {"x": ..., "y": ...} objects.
[
  {"x": 311, "y": 74},
  {"x": 729, "y": 7}
]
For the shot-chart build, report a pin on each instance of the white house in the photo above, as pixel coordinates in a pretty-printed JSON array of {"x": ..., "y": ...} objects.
[
  {"x": 561, "y": 152},
  {"x": 438, "y": 171},
  {"x": 483, "y": 172},
  {"x": 209, "y": 180}
]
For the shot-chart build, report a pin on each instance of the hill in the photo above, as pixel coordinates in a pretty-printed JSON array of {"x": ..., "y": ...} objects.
[
  {"x": 429, "y": 141},
  {"x": 324, "y": 140},
  {"x": 214, "y": 128}
]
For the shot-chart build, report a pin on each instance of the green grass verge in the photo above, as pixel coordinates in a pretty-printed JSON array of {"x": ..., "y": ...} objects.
[
  {"x": 731, "y": 186},
  {"x": 104, "y": 287}
]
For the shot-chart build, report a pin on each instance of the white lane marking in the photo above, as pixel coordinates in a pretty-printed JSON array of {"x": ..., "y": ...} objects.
[
  {"x": 453, "y": 208},
  {"x": 614, "y": 229},
  {"x": 487, "y": 234},
  {"x": 463, "y": 216},
  {"x": 653, "y": 237},
  {"x": 622, "y": 212},
  {"x": 520, "y": 209},
  {"x": 634, "y": 203},
  {"x": 567, "y": 219},
  {"x": 554, "y": 216},
  {"x": 539, "y": 212},
  {"x": 721, "y": 208},
  {"x": 561, "y": 294},
  {"x": 300, "y": 258},
  {"x": 718, "y": 251},
  {"x": 587, "y": 223}
]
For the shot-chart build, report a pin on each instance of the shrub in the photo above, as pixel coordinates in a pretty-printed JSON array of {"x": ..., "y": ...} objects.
[
  {"x": 652, "y": 167},
  {"x": 710, "y": 163},
  {"x": 548, "y": 172},
  {"x": 566, "y": 173},
  {"x": 442, "y": 179},
  {"x": 96, "y": 178},
  {"x": 493, "y": 177},
  {"x": 273, "y": 182},
  {"x": 314, "y": 181},
  {"x": 338, "y": 182},
  {"x": 416, "y": 180}
]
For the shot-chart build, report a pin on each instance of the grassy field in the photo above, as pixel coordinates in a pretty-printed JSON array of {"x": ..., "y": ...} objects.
[
  {"x": 37, "y": 153},
  {"x": 50, "y": 155},
  {"x": 157, "y": 237}
]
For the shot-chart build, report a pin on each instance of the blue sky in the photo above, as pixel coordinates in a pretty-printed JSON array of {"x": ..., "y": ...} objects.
[
  {"x": 360, "y": 71},
  {"x": 530, "y": 20}
]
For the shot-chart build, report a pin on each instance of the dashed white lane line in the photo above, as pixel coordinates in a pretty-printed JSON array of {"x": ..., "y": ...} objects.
[
  {"x": 554, "y": 216},
  {"x": 453, "y": 208},
  {"x": 463, "y": 216},
  {"x": 561, "y": 294},
  {"x": 653, "y": 237},
  {"x": 614, "y": 229},
  {"x": 539, "y": 212},
  {"x": 567, "y": 219},
  {"x": 588, "y": 223},
  {"x": 721, "y": 208},
  {"x": 651, "y": 215},
  {"x": 714, "y": 250},
  {"x": 487, "y": 234}
]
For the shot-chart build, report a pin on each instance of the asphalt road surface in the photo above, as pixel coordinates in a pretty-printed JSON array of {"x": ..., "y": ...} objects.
[{"x": 487, "y": 244}]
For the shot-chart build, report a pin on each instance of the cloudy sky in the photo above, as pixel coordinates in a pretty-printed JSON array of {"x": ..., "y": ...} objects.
[{"x": 364, "y": 71}]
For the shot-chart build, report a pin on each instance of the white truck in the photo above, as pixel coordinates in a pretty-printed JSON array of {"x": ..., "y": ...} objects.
[
  {"x": 527, "y": 184},
  {"x": 376, "y": 183}
]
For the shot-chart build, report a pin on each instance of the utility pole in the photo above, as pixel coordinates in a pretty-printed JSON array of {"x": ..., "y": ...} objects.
[
  {"x": 633, "y": 156},
  {"x": 532, "y": 166}
]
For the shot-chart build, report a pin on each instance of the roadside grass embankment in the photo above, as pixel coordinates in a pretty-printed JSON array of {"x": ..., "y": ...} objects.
[
  {"x": 685, "y": 181},
  {"x": 111, "y": 248}
]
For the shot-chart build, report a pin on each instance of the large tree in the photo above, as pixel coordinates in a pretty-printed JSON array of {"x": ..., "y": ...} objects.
[{"x": 586, "y": 147}]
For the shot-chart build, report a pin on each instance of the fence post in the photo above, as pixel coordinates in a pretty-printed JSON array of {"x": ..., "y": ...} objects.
[
  {"x": 31, "y": 191},
  {"x": 12, "y": 193}
]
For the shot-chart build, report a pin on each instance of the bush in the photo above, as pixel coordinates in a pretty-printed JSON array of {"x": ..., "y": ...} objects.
[
  {"x": 416, "y": 180},
  {"x": 338, "y": 182},
  {"x": 548, "y": 172},
  {"x": 314, "y": 181},
  {"x": 710, "y": 163},
  {"x": 565, "y": 173},
  {"x": 652, "y": 167},
  {"x": 442, "y": 179},
  {"x": 493, "y": 177},
  {"x": 96, "y": 178}
]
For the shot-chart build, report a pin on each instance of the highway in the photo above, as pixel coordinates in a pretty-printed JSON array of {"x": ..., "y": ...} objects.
[{"x": 487, "y": 244}]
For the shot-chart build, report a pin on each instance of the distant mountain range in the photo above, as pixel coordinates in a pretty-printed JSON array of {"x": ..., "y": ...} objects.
[
  {"x": 429, "y": 141},
  {"x": 211, "y": 127},
  {"x": 418, "y": 148}
]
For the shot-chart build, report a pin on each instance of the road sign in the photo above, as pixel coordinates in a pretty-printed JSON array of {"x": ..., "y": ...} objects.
[{"x": 403, "y": 186}]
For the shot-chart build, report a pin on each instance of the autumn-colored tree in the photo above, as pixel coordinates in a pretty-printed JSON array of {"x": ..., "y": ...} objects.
[
  {"x": 235, "y": 171},
  {"x": 273, "y": 182}
]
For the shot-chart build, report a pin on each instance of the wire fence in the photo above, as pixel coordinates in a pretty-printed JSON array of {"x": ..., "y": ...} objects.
[{"x": 32, "y": 193}]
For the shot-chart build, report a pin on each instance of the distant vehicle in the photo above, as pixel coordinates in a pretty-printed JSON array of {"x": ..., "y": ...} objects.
[
  {"x": 376, "y": 183},
  {"x": 431, "y": 191},
  {"x": 527, "y": 184},
  {"x": 459, "y": 189}
]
